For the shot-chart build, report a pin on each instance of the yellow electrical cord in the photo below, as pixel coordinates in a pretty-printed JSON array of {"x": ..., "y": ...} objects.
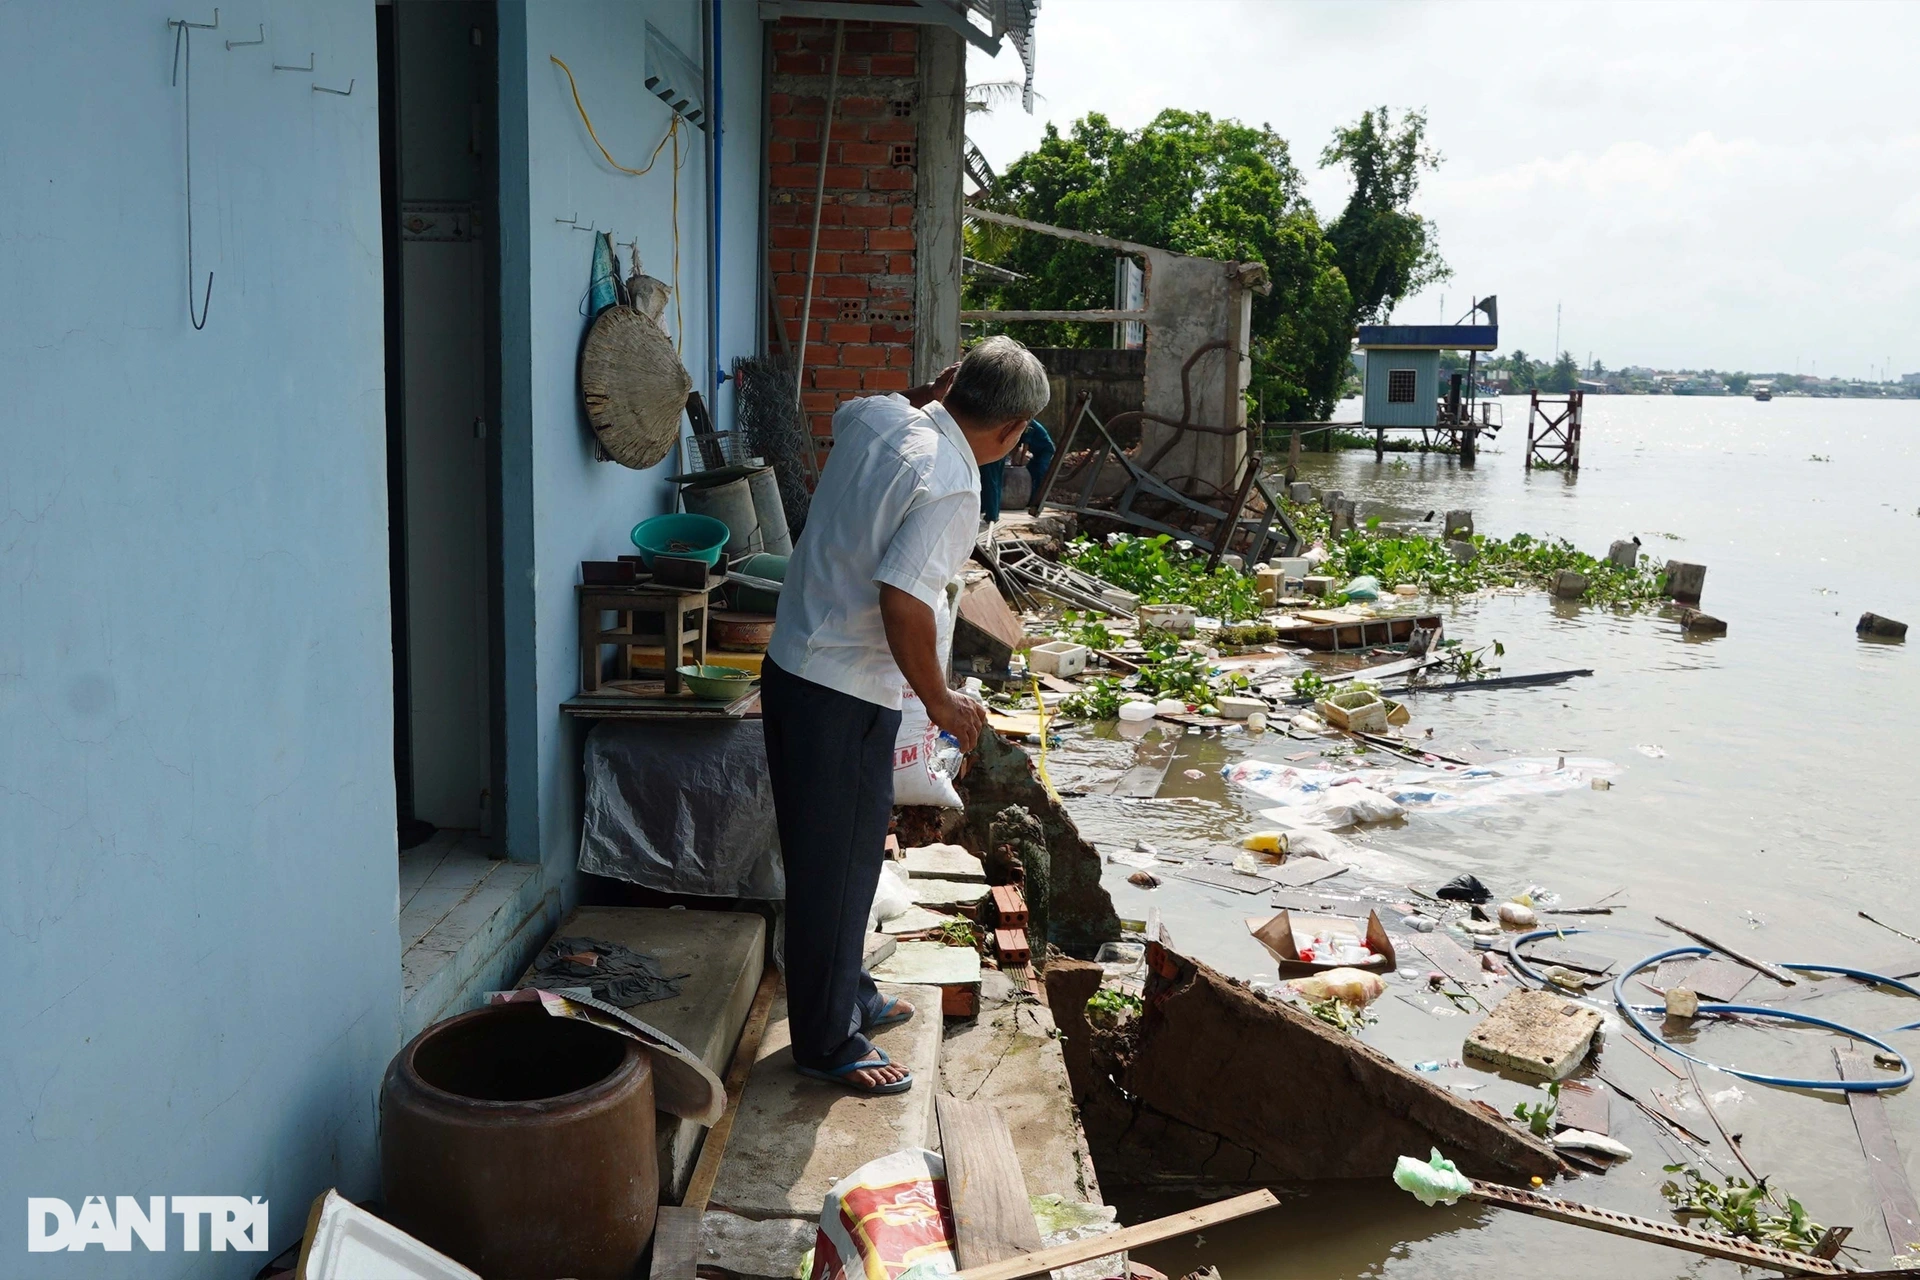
[
  {"x": 673, "y": 136},
  {"x": 1040, "y": 766}
]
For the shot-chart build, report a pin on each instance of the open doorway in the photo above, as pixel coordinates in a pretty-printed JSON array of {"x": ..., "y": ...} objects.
[{"x": 438, "y": 183}]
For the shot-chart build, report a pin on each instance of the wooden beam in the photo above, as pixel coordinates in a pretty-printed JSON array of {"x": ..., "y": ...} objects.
[
  {"x": 1775, "y": 972},
  {"x": 1062, "y": 233},
  {"x": 992, "y": 1218},
  {"x": 1168, "y": 1228},
  {"x": 1085, "y": 317},
  {"x": 1884, "y": 1165},
  {"x": 714, "y": 1149},
  {"x": 676, "y": 1243}
]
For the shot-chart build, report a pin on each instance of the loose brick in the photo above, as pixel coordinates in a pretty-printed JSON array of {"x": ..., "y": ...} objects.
[
  {"x": 890, "y": 238},
  {"x": 863, "y": 355},
  {"x": 1012, "y": 947},
  {"x": 897, "y": 178},
  {"x": 886, "y": 379},
  {"x": 835, "y": 379},
  {"x": 1009, "y": 906}
]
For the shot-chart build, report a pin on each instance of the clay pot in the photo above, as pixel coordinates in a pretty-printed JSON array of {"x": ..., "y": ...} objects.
[{"x": 522, "y": 1145}]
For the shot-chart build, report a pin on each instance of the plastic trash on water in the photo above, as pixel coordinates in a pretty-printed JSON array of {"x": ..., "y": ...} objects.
[
  {"x": 1364, "y": 587},
  {"x": 1121, "y": 959},
  {"x": 1354, "y": 987},
  {"x": 1265, "y": 842},
  {"x": 1520, "y": 916},
  {"x": 1582, "y": 1140},
  {"x": 1136, "y": 711},
  {"x": 1246, "y": 864},
  {"x": 1257, "y": 722},
  {"x": 1169, "y": 707},
  {"x": 1433, "y": 1182}
]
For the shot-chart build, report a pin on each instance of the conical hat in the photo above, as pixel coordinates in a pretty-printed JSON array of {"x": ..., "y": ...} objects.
[{"x": 633, "y": 386}]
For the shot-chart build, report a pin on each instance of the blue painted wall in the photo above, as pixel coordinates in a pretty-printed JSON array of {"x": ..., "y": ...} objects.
[
  {"x": 562, "y": 505},
  {"x": 197, "y": 861},
  {"x": 1424, "y": 411}
]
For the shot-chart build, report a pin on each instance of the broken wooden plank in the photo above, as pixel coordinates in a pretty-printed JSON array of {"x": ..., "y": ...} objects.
[
  {"x": 1545, "y": 953},
  {"x": 1297, "y": 873},
  {"x": 676, "y": 1243},
  {"x": 1221, "y": 877},
  {"x": 714, "y": 1149},
  {"x": 992, "y": 1218},
  {"x": 1775, "y": 972},
  {"x": 1623, "y": 1224},
  {"x": 1708, "y": 977},
  {"x": 1450, "y": 958},
  {"x": 1582, "y": 1106},
  {"x": 1884, "y": 1165},
  {"x": 1652, "y": 1106},
  {"x": 1146, "y": 1233}
]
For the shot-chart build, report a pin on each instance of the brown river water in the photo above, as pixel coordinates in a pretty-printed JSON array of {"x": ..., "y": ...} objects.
[{"x": 1766, "y": 795}]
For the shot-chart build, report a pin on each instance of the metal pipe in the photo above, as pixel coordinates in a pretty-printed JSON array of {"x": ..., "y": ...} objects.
[{"x": 813, "y": 241}]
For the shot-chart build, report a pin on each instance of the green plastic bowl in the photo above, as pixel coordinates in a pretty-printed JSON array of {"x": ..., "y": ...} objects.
[
  {"x": 716, "y": 682},
  {"x": 692, "y": 536}
]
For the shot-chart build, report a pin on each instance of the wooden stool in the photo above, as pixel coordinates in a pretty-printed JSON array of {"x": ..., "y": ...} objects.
[{"x": 683, "y": 620}]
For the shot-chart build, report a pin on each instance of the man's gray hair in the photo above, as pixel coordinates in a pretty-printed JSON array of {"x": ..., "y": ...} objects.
[{"x": 997, "y": 381}]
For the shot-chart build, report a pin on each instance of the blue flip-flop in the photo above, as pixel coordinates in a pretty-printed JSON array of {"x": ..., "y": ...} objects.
[
  {"x": 888, "y": 1018},
  {"x": 843, "y": 1076}
]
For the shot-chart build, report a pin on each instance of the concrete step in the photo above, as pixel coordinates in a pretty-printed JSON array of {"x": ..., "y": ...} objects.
[
  {"x": 793, "y": 1138},
  {"x": 722, "y": 953}
]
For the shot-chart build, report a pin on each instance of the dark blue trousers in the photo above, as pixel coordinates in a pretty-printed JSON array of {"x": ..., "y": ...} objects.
[{"x": 830, "y": 760}]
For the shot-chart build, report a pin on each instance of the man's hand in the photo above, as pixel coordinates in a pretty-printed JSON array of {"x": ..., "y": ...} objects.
[
  {"x": 920, "y": 397},
  {"x": 960, "y": 716}
]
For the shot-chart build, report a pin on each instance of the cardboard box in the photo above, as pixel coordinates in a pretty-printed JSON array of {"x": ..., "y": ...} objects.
[{"x": 1283, "y": 936}]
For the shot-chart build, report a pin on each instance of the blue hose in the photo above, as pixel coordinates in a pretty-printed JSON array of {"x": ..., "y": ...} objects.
[{"x": 1632, "y": 1013}]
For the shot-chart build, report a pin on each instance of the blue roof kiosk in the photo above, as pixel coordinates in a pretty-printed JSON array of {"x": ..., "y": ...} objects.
[{"x": 1403, "y": 391}]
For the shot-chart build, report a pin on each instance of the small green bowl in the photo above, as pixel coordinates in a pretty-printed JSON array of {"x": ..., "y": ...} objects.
[{"x": 716, "y": 682}]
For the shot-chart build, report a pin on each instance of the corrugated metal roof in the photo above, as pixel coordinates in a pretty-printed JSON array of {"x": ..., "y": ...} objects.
[
  {"x": 1424, "y": 337},
  {"x": 1016, "y": 20}
]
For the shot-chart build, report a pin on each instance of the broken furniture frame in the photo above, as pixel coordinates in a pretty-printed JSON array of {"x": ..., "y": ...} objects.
[{"x": 1263, "y": 543}]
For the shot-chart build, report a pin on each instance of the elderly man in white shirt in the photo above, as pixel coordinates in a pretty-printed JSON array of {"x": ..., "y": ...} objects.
[{"x": 891, "y": 524}]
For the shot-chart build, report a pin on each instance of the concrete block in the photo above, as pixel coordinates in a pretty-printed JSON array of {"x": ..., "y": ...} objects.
[
  {"x": 1177, "y": 618},
  {"x": 1060, "y": 658},
  {"x": 1234, "y": 562},
  {"x": 1300, "y": 491},
  {"x": 1569, "y": 584},
  {"x": 1703, "y": 624},
  {"x": 793, "y": 1138},
  {"x": 1316, "y": 585},
  {"x": 943, "y": 862},
  {"x": 1330, "y": 499},
  {"x": 1240, "y": 708},
  {"x": 1343, "y": 516},
  {"x": 1686, "y": 582},
  {"x": 1535, "y": 1032},
  {"x": 752, "y": 1249},
  {"x": 1459, "y": 525},
  {"x": 1872, "y": 624},
  {"x": 1624, "y": 554},
  {"x": 1463, "y": 551}
]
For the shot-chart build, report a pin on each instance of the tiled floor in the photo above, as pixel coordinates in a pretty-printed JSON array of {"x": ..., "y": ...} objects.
[{"x": 450, "y": 890}]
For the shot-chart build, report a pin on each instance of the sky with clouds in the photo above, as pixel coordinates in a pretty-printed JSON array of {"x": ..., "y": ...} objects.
[{"x": 1734, "y": 186}]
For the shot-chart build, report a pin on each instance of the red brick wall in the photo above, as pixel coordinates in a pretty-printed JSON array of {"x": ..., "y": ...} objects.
[{"x": 860, "y": 327}]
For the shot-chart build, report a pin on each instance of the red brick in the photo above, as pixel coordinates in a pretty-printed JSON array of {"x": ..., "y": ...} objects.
[
  {"x": 863, "y": 262},
  {"x": 867, "y": 42},
  {"x": 892, "y": 333},
  {"x": 891, "y": 237},
  {"x": 779, "y": 260},
  {"x": 779, "y": 152},
  {"x": 848, "y": 131},
  {"x": 800, "y": 64},
  {"x": 822, "y": 426},
  {"x": 886, "y": 380},
  {"x": 845, "y": 177},
  {"x": 842, "y": 239},
  {"x": 793, "y": 283},
  {"x": 788, "y": 237},
  {"x": 856, "y": 65},
  {"x": 788, "y": 304},
  {"x": 892, "y": 131},
  {"x": 862, "y": 106},
  {"x": 903, "y": 215},
  {"x": 800, "y": 105},
  {"x": 815, "y": 401},
  {"x": 780, "y": 103},
  {"x": 899, "y": 263},
  {"x": 904, "y": 39},
  {"x": 849, "y": 332},
  {"x": 782, "y": 214},
  {"x": 894, "y": 64},
  {"x": 893, "y": 179},
  {"x": 867, "y": 215},
  {"x": 841, "y": 287},
  {"x": 835, "y": 379},
  {"x": 865, "y": 153},
  {"x": 791, "y": 175},
  {"x": 825, "y": 261},
  {"x": 900, "y": 357},
  {"x": 792, "y": 127},
  {"x": 785, "y": 40},
  {"x": 857, "y": 354}
]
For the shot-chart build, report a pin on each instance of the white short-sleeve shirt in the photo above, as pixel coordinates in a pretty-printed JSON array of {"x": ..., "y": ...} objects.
[{"x": 898, "y": 503}]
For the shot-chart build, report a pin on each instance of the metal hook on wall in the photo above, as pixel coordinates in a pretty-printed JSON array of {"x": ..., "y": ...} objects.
[
  {"x": 183, "y": 36},
  {"x": 281, "y": 67},
  {"x": 242, "y": 44},
  {"x": 345, "y": 93}
]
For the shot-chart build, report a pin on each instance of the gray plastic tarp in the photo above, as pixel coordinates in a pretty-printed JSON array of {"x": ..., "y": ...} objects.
[{"x": 682, "y": 807}]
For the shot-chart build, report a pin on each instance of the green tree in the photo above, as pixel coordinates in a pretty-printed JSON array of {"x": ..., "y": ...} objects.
[
  {"x": 1738, "y": 382},
  {"x": 1524, "y": 378},
  {"x": 1192, "y": 184},
  {"x": 1563, "y": 376},
  {"x": 1385, "y": 250}
]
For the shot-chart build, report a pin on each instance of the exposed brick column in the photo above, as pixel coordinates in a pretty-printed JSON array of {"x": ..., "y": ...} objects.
[{"x": 861, "y": 326}]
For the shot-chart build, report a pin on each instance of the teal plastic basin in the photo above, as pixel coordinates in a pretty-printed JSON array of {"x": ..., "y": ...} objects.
[{"x": 695, "y": 537}]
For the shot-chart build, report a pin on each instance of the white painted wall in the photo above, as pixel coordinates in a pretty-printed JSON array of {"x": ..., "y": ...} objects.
[{"x": 197, "y": 862}]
